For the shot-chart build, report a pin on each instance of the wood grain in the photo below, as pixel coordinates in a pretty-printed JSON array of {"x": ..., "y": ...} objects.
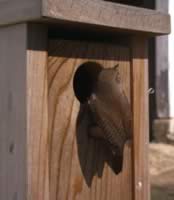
[
  {"x": 37, "y": 114},
  {"x": 140, "y": 118},
  {"x": 79, "y": 166}
]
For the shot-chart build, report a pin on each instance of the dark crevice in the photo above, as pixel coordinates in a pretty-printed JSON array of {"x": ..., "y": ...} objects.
[{"x": 84, "y": 80}]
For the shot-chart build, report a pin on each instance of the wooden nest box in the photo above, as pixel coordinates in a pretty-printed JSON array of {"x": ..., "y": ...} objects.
[{"x": 45, "y": 150}]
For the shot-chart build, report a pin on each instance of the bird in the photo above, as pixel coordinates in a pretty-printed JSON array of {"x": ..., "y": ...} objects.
[{"x": 110, "y": 111}]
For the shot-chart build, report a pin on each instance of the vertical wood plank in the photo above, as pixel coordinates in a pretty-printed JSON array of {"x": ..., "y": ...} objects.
[
  {"x": 140, "y": 118},
  {"x": 13, "y": 112},
  {"x": 37, "y": 114},
  {"x": 78, "y": 163},
  {"x": 23, "y": 113}
]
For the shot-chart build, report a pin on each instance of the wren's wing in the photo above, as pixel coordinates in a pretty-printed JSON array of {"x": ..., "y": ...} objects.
[
  {"x": 109, "y": 119},
  {"x": 127, "y": 116},
  {"x": 116, "y": 103}
]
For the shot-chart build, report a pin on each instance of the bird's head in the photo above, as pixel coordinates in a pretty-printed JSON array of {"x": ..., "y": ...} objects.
[{"x": 110, "y": 75}]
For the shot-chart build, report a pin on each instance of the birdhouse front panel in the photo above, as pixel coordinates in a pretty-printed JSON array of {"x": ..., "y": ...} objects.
[{"x": 82, "y": 166}]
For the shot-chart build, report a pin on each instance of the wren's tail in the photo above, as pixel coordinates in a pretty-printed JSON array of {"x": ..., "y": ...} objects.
[
  {"x": 117, "y": 163},
  {"x": 116, "y": 158}
]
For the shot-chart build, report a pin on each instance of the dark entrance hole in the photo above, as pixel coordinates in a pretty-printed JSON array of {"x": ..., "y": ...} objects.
[{"x": 84, "y": 80}]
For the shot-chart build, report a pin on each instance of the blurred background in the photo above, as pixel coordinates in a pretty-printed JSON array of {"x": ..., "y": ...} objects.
[{"x": 161, "y": 73}]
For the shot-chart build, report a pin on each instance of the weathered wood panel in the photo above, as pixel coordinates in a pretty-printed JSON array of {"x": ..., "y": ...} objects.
[
  {"x": 79, "y": 166},
  {"x": 13, "y": 112},
  {"x": 108, "y": 14},
  {"x": 19, "y": 11},
  {"x": 23, "y": 113},
  {"x": 101, "y": 13},
  {"x": 140, "y": 118}
]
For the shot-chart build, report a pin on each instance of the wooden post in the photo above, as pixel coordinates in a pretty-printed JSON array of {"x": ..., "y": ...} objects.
[
  {"x": 13, "y": 112},
  {"x": 37, "y": 113},
  {"x": 23, "y": 112},
  {"x": 140, "y": 118}
]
